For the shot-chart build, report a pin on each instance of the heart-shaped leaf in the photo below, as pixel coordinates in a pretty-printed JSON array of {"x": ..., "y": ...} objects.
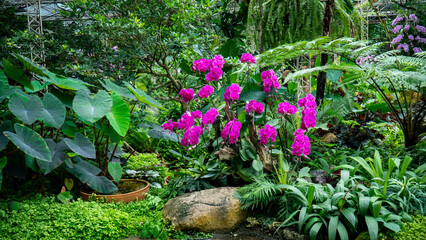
[
  {"x": 81, "y": 145},
  {"x": 29, "y": 65},
  {"x": 28, "y": 109},
  {"x": 69, "y": 183},
  {"x": 58, "y": 151},
  {"x": 91, "y": 109},
  {"x": 87, "y": 173},
  {"x": 5, "y": 126},
  {"x": 64, "y": 83},
  {"x": 115, "y": 170},
  {"x": 143, "y": 97},
  {"x": 16, "y": 73},
  {"x": 37, "y": 87},
  {"x": 53, "y": 111},
  {"x": 124, "y": 92},
  {"x": 31, "y": 163},
  {"x": 29, "y": 142},
  {"x": 119, "y": 116}
]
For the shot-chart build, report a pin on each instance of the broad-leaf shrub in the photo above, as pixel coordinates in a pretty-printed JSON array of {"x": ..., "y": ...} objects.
[{"x": 65, "y": 122}]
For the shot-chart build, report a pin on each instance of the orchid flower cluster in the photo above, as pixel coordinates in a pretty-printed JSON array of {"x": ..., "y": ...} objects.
[
  {"x": 408, "y": 33},
  {"x": 213, "y": 65},
  {"x": 193, "y": 124},
  {"x": 301, "y": 144}
]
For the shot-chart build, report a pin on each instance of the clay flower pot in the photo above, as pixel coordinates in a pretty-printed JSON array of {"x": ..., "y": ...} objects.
[{"x": 125, "y": 197}]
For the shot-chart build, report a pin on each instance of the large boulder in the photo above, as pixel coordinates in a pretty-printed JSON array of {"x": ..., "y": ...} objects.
[{"x": 212, "y": 210}]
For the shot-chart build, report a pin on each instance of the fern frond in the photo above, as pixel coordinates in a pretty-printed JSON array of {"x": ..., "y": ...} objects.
[{"x": 260, "y": 193}]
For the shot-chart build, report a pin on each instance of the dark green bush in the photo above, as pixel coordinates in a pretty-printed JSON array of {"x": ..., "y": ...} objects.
[{"x": 46, "y": 218}]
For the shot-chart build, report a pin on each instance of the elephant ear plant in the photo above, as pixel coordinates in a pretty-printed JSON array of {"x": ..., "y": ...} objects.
[{"x": 61, "y": 122}]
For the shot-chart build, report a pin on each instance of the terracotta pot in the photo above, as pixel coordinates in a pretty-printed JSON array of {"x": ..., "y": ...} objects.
[{"x": 125, "y": 197}]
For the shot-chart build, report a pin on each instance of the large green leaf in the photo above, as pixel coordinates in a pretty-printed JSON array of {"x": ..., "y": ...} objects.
[
  {"x": 16, "y": 73},
  {"x": 405, "y": 164},
  {"x": 31, "y": 163},
  {"x": 29, "y": 142},
  {"x": 115, "y": 170},
  {"x": 348, "y": 213},
  {"x": 343, "y": 233},
  {"x": 364, "y": 204},
  {"x": 392, "y": 226},
  {"x": 28, "y": 109},
  {"x": 5, "y": 126},
  {"x": 65, "y": 83},
  {"x": 373, "y": 227},
  {"x": 82, "y": 146},
  {"x": 302, "y": 218},
  {"x": 119, "y": 116},
  {"x": 124, "y": 92},
  {"x": 315, "y": 230},
  {"x": 143, "y": 97},
  {"x": 30, "y": 66},
  {"x": 365, "y": 165},
  {"x": 158, "y": 132},
  {"x": 53, "y": 111},
  {"x": 87, "y": 173},
  {"x": 89, "y": 108},
  {"x": 252, "y": 90},
  {"x": 58, "y": 151},
  {"x": 37, "y": 87},
  {"x": 332, "y": 227},
  {"x": 378, "y": 164}
]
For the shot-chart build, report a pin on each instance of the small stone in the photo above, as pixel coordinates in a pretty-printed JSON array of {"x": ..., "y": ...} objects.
[{"x": 329, "y": 138}]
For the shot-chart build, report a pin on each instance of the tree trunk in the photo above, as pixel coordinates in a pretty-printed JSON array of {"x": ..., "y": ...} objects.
[{"x": 322, "y": 77}]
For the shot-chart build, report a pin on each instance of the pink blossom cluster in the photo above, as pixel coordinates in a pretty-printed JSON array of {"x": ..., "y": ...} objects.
[
  {"x": 169, "y": 125},
  {"x": 405, "y": 40},
  {"x": 370, "y": 59},
  {"x": 232, "y": 93},
  {"x": 231, "y": 130},
  {"x": 301, "y": 144},
  {"x": 186, "y": 123},
  {"x": 213, "y": 65},
  {"x": 186, "y": 94},
  {"x": 191, "y": 136},
  {"x": 286, "y": 108},
  {"x": 255, "y": 106},
  {"x": 205, "y": 91},
  {"x": 196, "y": 114},
  {"x": 210, "y": 116},
  {"x": 269, "y": 80},
  {"x": 247, "y": 57},
  {"x": 268, "y": 132},
  {"x": 309, "y": 118}
]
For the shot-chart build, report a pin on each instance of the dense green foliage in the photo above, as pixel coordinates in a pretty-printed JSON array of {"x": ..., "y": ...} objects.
[
  {"x": 412, "y": 230},
  {"x": 46, "y": 218},
  {"x": 140, "y": 161}
]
